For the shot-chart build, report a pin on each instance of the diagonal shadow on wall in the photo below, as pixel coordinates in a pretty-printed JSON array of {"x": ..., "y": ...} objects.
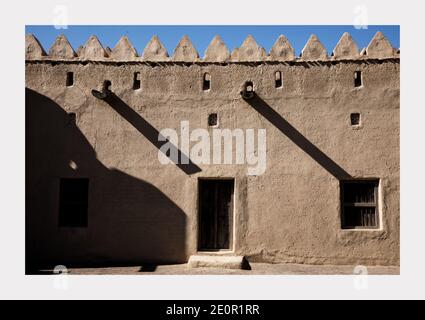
[
  {"x": 150, "y": 132},
  {"x": 296, "y": 137},
  {"x": 130, "y": 221}
]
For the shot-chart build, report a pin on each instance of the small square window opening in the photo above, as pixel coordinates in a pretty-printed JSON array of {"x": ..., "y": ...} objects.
[
  {"x": 358, "y": 79},
  {"x": 136, "y": 81},
  {"x": 355, "y": 119},
  {"x": 69, "y": 79},
  {"x": 213, "y": 120},
  {"x": 206, "y": 84},
  {"x": 278, "y": 79}
]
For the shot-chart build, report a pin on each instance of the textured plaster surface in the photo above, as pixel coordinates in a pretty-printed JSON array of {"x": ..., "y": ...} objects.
[{"x": 142, "y": 211}]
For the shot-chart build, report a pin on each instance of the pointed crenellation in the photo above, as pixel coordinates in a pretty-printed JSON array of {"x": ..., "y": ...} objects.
[
  {"x": 217, "y": 51},
  {"x": 155, "y": 51},
  {"x": 346, "y": 48},
  {"x": 264, "y": 55},
  {"x": 282, "y": 50},
  {"x": 123, "y": 50},
  {"x": 79, "y": 50},
  {"x": 62, "y": 49},
  {"x": 251, "y": 51},
  {"x": 314, "y": 50},
  {"x": 234, "y": 56},
  {"x": 93, "y": 50},
  {"x": 33, "y": 48},
  {"x": 185, "y": 51},
  {"x": 379, "y": 47}
]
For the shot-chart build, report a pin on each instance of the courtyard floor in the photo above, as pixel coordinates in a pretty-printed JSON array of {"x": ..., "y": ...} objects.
[{"x": 256, "y": 269}]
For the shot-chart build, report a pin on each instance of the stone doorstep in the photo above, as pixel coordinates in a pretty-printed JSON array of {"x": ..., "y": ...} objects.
[{"x": 218, "y": 261}]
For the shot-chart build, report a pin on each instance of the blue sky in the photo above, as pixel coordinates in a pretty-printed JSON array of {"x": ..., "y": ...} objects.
[{"x": 233, "y": 36}]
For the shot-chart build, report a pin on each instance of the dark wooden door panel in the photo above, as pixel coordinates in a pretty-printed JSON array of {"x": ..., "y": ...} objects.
[{"x": 215, "y": 214}]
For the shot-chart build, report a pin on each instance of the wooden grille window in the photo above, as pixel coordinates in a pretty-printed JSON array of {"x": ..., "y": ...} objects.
[{"x": 359, "y": 204}]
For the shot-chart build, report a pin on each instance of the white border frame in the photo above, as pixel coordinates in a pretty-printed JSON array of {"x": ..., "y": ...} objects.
[{"x": 16, "y": 285}]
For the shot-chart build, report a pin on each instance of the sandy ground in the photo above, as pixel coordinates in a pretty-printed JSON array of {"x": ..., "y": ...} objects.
[{"x": 256, "y": 269}]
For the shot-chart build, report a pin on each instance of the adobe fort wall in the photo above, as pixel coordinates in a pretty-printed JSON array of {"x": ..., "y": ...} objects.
[{"x": 143, "y": 211}]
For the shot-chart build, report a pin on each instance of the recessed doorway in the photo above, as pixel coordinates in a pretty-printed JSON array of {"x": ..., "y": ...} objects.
[{"x": 215, "y": 205}]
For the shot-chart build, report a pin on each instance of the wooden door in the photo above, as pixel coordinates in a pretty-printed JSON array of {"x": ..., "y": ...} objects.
[{"x": 215, "y": 214}]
